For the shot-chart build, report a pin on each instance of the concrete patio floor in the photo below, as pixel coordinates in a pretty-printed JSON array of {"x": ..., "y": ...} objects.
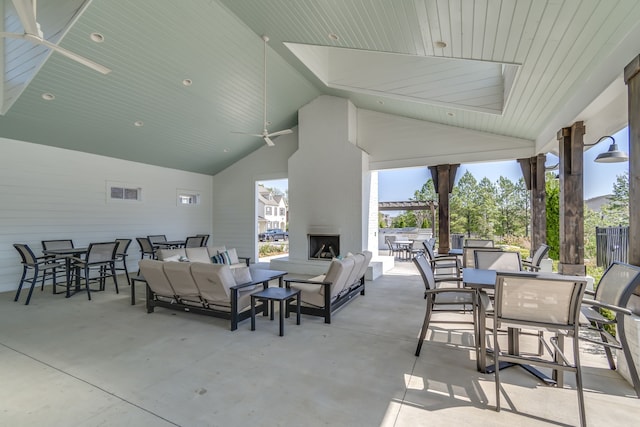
[{"x": 74, "y": 362}]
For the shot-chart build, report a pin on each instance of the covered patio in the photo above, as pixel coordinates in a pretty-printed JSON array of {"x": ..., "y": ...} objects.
[
  {"x": 107, "y": 363},
  {"x": 553, "y": 76}
]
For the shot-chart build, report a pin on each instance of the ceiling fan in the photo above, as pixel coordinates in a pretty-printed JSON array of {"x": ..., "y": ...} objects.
[
  {"x": 265, "y": 135},
  {"x": 26, "y": 10}
]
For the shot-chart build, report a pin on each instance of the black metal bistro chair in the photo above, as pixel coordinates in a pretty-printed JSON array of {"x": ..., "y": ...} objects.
[
  {"x": 146, "y": 249},
  {"x": 61, "y": 271},
  {"x": 205, "y": 238},
  {"x": 194, "y": 242},
  {"x": 37, "y": 265},
  {"x": 97, "y": 266},
  {"x": 121, "y": 256}
]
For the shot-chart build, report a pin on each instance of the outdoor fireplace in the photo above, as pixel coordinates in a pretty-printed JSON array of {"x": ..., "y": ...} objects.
[{"x": 324, "y": 246}]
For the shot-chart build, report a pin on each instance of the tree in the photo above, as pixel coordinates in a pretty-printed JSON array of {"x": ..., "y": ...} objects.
[
  {"x": 427, "y": 193},
  {"x": 616, "y": 212},
  {"x": 381, "y": 222},
  {"x": 552, "y": 186},
  {"x": 486, "y": 208},
  {"x": 464, "y": 205}
]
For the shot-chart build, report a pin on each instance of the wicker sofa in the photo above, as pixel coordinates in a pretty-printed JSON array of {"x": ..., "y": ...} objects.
[{"x": 324, "y": 294}]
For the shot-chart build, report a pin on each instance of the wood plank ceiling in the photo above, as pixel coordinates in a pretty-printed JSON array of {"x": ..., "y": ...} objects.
[{"x": 432, "y": 60}]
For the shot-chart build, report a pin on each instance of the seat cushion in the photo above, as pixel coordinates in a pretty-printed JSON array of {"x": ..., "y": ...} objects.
[{"x": 213, "y": 280}]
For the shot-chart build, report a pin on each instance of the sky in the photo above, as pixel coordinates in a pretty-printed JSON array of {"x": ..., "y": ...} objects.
[{"x": 400, "y": 184}]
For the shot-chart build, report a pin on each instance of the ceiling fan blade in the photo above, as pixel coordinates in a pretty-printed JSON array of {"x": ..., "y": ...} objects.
[
  {"x": 282, "y": 132},
  {"x": 26, "y": 10},
  {"x": 269, "y": 141},
  {"x": 259, "y": 135},
  {"x": 81, "y": 59}
]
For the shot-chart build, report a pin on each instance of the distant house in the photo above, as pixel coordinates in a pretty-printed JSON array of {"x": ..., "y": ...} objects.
[
  {"x": 272, "y": 210},
  {"x": 596, "y": 203}
]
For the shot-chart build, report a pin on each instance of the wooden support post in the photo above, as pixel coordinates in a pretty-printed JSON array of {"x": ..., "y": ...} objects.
[
  {"x": 533, "y": 170},
  {"x": 443, "y": 179},
  {"x": 632, "y": 79},
  {"x": 571, "y": 145}
]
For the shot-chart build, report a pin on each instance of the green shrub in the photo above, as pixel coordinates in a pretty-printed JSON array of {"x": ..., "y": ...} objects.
[{"x": 268, "y": 250}]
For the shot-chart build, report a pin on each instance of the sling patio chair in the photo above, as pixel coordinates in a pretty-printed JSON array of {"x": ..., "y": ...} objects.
[
  {"x": 486, "y": 243},
  {"x": 533, "y": 263},
  {"x": 497, "y": 260},
  {"x": 544, "y": 302},
  {"x": 613, "y": 293},
  {"x": 444, "y": 267},
  {"x": 121, "y": 256},
  {"x": 468, "y": 257},
  {"x": 97, "y": 266},
  {"x": 194, "y": 242},
  {"x": 447, "y": 299},
  {"x": 37, "y": 265},
  {"x": 61, "y": 271}
]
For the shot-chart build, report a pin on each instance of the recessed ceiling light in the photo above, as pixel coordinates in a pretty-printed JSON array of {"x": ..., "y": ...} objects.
[
  {"x": 187, "y": 82},
  {"x": 450, "y": 114},
  {"x": 138, "y": 123},
  {"x": 226, "y": 150},
  {"x": 97, "y": 37},
  {"x": 334, "y": 37},
  {"x": 48, "y": 96},
  {"x": 441, "y": 44}
]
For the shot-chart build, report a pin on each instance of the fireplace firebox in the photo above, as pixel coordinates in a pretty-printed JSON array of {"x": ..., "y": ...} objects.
[{"x": 324, "y": 246}]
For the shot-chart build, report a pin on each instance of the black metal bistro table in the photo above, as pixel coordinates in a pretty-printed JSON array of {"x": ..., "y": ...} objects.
[
  {"x": 170, "y": 244},
  {"x": 68, "y": 253},
  {"x": 480, "y": 280}
]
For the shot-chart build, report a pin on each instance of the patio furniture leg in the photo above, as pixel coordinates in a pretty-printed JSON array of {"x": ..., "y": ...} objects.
[
  {"x": 24, "y": 274},
  {"x": 425, "y": 324}
]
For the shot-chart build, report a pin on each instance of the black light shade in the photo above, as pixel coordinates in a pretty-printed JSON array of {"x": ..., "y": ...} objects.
[{"x": 613, "y": 155}]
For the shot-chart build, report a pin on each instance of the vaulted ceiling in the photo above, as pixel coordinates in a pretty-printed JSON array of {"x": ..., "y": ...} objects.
[{"x": 514, "y": 68}]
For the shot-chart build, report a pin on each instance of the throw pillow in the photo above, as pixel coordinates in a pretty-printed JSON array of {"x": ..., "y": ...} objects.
[
  {"x": 233, "y": 256},
  {"x": 218, "y": 259},
  {"x": 174, "y": 258}
]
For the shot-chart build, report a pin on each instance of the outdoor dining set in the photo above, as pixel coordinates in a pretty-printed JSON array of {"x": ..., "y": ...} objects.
[
  {"x": 78, "y": 267},
  {"x": 518, "y": 299}
]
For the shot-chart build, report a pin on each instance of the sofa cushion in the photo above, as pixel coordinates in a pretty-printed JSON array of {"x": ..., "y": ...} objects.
[
  {"x": 199, "y": 254},
  {"x": 157, "y": 280},
  {"x": 163, "y": 254},
  {"x": 179, "y": 274},
  {"x": 213, "y": 280}
]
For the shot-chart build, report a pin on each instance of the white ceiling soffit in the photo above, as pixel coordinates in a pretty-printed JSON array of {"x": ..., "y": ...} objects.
[{"x": 473, "y": 85}]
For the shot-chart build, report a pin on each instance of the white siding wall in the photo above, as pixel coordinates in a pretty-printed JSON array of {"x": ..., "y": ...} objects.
[
  {"x": 51, "y": 193},
  {"x": 235, "y": 209}
]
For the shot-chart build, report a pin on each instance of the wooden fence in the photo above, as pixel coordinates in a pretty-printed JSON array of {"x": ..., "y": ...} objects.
[{"x": 612, "y": 244}]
